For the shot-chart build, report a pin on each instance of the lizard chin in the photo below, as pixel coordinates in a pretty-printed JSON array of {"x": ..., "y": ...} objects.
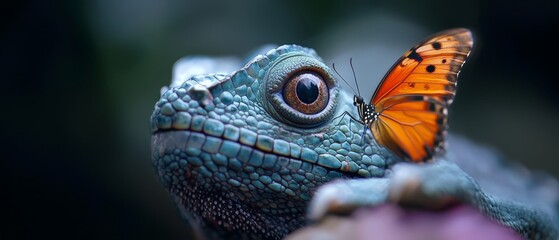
[{"x": 216, "y": 189}]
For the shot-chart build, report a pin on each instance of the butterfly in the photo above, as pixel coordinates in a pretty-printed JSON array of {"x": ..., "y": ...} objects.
[{"x": 408, "y": 111}]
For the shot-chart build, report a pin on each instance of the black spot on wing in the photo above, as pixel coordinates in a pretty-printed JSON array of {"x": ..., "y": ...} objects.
[
  {"x": 430, "y": 68},
  {"x": 415, "y": 56},
  {"x": 436, "y": 45}
]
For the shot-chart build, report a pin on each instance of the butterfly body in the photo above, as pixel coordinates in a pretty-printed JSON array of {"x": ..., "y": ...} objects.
[
  {"x": 367, "y": 112},
  {"x": 408, "y": 111}
]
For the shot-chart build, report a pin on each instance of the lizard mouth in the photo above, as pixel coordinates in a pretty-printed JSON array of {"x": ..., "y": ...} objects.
[
  {"x": 247, "y": 167},
  {"x": 239, "y": 147}
]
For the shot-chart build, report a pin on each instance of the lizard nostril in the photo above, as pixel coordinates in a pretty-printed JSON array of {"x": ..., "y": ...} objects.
[{"x": 201, "y": 94}]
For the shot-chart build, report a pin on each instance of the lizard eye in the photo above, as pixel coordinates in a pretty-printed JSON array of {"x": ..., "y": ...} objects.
[
  {"x": 300, "y": 90},
  {"x": 306, "y": 92}
]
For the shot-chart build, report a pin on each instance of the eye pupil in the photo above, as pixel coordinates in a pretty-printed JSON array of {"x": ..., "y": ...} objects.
[
  {"x": 307, "y": 88},
  {"x": 306, "y": 92}
]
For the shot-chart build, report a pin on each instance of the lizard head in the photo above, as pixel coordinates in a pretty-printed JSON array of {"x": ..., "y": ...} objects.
[{"x": 244, "y": 152}]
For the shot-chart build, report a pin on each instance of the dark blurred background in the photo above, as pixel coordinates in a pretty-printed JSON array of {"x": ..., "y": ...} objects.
[{"x": 80, "y": 79}]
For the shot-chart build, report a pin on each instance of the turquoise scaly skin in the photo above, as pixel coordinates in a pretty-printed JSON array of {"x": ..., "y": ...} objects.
[
  {"x": 241, "y": 163},
  {"x": 219, "y": 151}
]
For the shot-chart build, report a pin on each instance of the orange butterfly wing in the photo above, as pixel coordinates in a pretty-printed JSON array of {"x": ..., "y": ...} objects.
[{"x": 413, "y": 97}]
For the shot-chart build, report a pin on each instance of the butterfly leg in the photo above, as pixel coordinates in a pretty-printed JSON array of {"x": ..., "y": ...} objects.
[
  {"x": 354, "y": 119},
  {"x": 363, "y": 135},
  {"x": 362, "y": 123},
  {"x": 342, "y": 115}
]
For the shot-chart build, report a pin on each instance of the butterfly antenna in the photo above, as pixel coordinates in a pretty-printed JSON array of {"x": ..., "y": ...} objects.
[
  {"x": 335, "y": 70},
  {"x": 354, "y": 77}
]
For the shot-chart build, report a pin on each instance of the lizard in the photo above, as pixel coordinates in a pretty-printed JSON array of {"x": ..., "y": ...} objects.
[{"x": 243, "y": 152}]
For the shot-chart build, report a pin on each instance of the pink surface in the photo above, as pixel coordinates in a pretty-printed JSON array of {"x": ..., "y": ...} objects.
[{"x": 391, "y": 222}]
